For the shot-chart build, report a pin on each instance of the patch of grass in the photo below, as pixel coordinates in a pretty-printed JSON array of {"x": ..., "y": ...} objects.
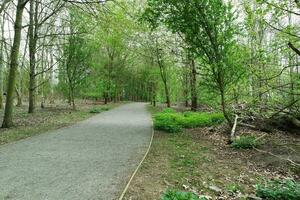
[
  {"x": 178, "y": 195},
  {"x": 234, "y": 188},
  {"x": 279, "y": 190},
  {"x": 170, "y": 121},
  {"x": 97, "y": 110},
  {"x": 245, "y": 142},
  {"x": 168, "y": 110}
]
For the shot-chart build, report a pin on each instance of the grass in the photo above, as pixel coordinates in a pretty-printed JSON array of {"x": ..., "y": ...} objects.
[
  {"x": 179, "y": 195},
  {"x": 97, "y": 110},
  {"x": 177, "y": 160},
  {"x": 245, "y": 142},
  {"x": 195, "y": 160},
  {"x": 279, "y": 190},
  {"x": 28, "y": 125},
  {"x": 173, "y": 122}
]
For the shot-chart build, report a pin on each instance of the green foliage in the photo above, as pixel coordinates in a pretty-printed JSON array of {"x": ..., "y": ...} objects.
[
  {"x": 245, "y": 142},
  {"x": 169, "y": 110},
  {"x": 178, "y": 195},
  {"x": 279, "y": 190},
  {"x": 167, "y": 122},
  {"x": 170, "y": 121},
  {"x": 194, "y": 119}
]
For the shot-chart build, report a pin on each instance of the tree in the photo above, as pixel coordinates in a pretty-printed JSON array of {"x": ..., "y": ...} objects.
[
  {"x": 199, "y": 22},
  {"x": 38, "y": 16},
  {"x": 7, "y": 120}
]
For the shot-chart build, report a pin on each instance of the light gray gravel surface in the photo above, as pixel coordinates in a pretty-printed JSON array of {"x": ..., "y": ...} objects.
[{"x": 88, "y": 161}]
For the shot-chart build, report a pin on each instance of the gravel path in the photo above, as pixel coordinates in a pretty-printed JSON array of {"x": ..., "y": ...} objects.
[{"x": 88, "y": 161}]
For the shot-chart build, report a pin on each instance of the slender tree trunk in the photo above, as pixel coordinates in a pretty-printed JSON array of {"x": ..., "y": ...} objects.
[
  {"x": 72, "y": 98},
  {"x": 1, "y": 62},
  {"x": 194, "y": 86},
  {"x": 167, "y": 95},
  {"x": 186, "y": 85},
  {"x": 32, "y": 56},
  {"x": 224, "y": 110},
  {"x": 19, "y": 97},
  {"x": 7, "y": 120}
]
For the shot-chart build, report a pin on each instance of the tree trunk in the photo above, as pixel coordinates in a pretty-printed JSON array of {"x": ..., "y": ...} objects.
[
  {"x": 223, "y": 105},
  {"x": 19, "y": 98},
  {"x": 32, "y": 53},
  {"x": 7, "y": 120},
  {"x": 168, "y": 101},
  {"x": 1, "y": 62},
  {"x": 72, "y": 98},
  {"x": 194, "y": 86}
]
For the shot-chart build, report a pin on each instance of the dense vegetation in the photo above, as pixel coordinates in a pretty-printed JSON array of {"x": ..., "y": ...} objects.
[
  {"x": 171, "y": 121},
  {"x": 239, "y": 58},
  {"x": 233, "y": 61}
]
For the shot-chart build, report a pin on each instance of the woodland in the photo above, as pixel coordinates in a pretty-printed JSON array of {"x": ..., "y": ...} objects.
[{"x": 234, "y": 63}]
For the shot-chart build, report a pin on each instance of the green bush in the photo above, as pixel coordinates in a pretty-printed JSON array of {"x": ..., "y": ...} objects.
[
  {"x": 170, "y": 121},
  {"x": 245, "y": 142},
  {"x": 167, "y": 122},
  {"x": 195, "y": 119},
  {"x": 279, "y": 190},
  {"x": 177, "y": 195}
]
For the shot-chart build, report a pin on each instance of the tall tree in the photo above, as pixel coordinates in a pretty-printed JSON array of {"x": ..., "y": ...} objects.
[
  {"x": 7, "y": 120},
  {"x": 199, "y": 22}
]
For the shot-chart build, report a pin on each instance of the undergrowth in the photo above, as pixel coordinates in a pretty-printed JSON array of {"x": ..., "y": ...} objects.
[
  {"x": 279, "y": 190},
  {"x": 245, "y": 142},
  {"x": 97, "y": 110},
  {"x": 171, "y": 121},
  {"x": 178, "y": 195}
]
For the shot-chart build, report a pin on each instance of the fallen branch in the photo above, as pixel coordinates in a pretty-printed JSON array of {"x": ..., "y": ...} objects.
[
  {"x": 296, "y": 122},
  {"x": 261, "y": 137},
  {"x": 270, "y": 153},
  {"x": 255, "y": 127},
  {"x": 232, "y": 135}
]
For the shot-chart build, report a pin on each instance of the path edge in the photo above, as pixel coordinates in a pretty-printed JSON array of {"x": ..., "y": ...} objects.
[{"x": 140, "y": 164}]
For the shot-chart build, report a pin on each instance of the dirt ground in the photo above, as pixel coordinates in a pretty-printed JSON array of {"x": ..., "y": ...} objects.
[{"x": 201, "y": 161}]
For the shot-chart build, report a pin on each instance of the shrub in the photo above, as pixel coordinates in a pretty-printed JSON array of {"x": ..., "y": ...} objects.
[
  {"x": 170, "y": 121},
  {"x": 245, "y": 142},
  {"x": 167, "y": 122},
  {"x": 194, "y": 119},
  {"x": 177, "y": 195},
  {"x": 279, "y": 189}
]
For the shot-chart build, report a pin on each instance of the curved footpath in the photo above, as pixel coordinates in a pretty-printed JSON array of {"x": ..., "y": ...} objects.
[{"x": 90, "y": 160}]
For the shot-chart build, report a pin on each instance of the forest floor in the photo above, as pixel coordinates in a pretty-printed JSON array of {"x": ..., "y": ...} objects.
[
  {"x": 201, "y": 161},
  {"x": 52, "y": 117}
]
